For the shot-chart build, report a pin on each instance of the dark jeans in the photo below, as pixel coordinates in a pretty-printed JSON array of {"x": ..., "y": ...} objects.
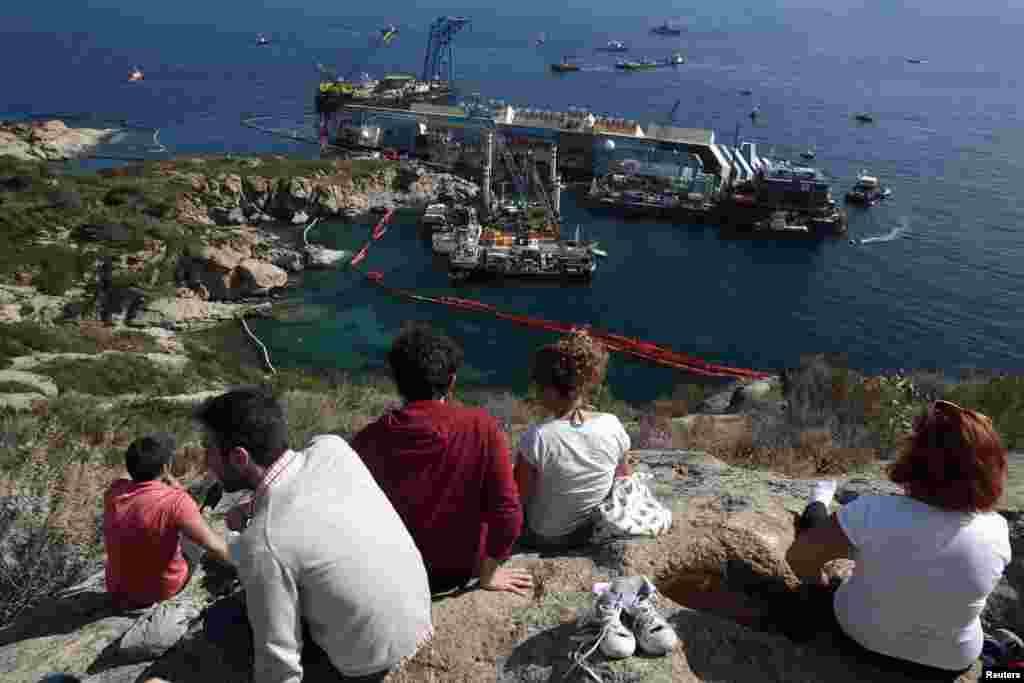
[
  {"x": 574, "y": 539},
  {"x": 227, "y": 623},
  {"x": 447, "y": 581},
  {"x": 819, "y": 615}
]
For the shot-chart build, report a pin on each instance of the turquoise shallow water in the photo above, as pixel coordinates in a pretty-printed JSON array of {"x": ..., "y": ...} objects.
[{"x": 938, "y": 283}]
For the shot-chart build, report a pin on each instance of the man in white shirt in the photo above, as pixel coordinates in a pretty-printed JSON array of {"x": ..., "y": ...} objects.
[{"x": 322, "y": 554}]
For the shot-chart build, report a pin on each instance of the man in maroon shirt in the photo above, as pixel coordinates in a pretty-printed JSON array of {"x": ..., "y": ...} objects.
[{"x": 446, "y": 468}]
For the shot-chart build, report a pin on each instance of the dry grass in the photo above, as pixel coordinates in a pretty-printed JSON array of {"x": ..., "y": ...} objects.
[{"x": 812, "y": 453}]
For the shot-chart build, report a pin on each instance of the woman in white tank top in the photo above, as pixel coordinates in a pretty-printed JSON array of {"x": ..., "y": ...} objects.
[
  {"x": 925, "y": 562},
  {"x": 565, "y": 465}
]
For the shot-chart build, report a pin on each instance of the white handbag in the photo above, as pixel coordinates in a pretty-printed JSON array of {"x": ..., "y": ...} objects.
[{"x": 630, "y": 510}]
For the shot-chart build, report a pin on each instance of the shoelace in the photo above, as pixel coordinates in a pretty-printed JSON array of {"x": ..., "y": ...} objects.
[
  {"x": 644, "y": 614},
  {"x": 586, "y": 649}
]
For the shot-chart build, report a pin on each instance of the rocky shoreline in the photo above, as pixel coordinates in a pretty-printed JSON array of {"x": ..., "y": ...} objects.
[
  {"x": 49, "y": 140},
  {"x": 249, "y": 214}
]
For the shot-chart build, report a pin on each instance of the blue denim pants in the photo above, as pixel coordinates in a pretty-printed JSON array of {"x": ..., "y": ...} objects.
[{"x": 227, "y": 622}]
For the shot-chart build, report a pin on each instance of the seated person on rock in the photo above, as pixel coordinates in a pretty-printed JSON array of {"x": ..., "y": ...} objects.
[
  {"x": 446, "y": 468},
  {"x": 334, "y": 584},
  {"x": 144, "y": 520},
  {"x": 926, "y": 562},
  {"x": 566, "y": 465}
]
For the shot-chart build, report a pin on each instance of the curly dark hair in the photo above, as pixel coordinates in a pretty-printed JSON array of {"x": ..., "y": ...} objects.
[
  {"x": 423, "y": 362},
  {"x": 573, "y": 366}
]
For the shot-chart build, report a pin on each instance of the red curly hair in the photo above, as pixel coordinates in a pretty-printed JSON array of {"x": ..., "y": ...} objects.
[{"x": 953, "y": 460}]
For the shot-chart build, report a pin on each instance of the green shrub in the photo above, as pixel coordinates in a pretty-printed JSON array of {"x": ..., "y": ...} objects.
[
  {"x": 117, "y": 374},
  {"x": 1001, "y": 398},
  {"x": 17, "y": 388},
  {"x": 44, "y": 563},
  {"x": 25, "y": 338}
]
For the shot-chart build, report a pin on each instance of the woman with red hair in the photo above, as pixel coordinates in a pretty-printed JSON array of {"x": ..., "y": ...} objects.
[{"x": 926, "y": 562}]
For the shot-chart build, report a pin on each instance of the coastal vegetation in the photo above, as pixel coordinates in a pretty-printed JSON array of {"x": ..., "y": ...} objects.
[
  {"x": 57, "y": 459},
  {"x": 56, "y": 222}
]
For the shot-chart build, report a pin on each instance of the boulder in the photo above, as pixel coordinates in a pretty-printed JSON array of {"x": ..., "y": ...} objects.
[
  {"x": 227, "y": 215},
  {"x": 321, "y": 257},
  {"x": 253, "y": 277},
  {"x": 181, "y": 314},
  {"x": 10, "y": 313},
  {"x": 104, "y": 232},
  {"x": 745, "y": 395},
  {"x": 288, "y": 259}
]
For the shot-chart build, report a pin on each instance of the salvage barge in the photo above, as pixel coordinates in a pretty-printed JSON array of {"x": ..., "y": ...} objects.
[{"x": 649, "y": 169}]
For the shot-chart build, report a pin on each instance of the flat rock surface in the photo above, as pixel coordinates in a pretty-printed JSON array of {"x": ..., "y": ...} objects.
[{"x": 719, "y": 565}]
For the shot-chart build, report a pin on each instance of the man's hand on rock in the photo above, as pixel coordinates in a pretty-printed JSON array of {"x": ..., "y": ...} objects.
[{"x": 495, "y": 578}]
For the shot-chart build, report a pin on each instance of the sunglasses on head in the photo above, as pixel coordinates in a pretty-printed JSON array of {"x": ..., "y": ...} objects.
[{"x": 950, "y": 409}]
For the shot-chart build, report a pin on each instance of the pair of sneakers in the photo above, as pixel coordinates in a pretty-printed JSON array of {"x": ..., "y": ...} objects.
[{"x": 624, "y": 619}]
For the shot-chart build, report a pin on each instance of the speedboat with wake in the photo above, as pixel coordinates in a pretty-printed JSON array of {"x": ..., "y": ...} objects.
[
  {"x": 136, "y": 75},
  {"x": 867, "y": 190}
]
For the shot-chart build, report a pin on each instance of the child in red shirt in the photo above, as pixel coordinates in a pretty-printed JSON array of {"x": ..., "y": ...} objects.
[{"x": 143, "y": 518}]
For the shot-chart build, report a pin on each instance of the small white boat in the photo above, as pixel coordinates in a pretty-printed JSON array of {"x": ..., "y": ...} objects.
[
  {"x": 614, "y": 46},
  {"x": 676, "y": 59},
  {"x": 597, "y": 251},
  {"x": 262, "y": 40},
  {"x": 136, "y": 75}
]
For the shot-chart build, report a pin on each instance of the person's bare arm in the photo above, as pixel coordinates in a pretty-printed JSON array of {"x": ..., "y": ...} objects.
[
  {"x": 200, "y": 533},
  {"x": 814, "y": 547},
  {"x": 624, "y": 469}
]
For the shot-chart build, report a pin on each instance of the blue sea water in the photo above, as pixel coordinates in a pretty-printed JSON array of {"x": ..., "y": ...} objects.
[{"x": 936, "y": 284}]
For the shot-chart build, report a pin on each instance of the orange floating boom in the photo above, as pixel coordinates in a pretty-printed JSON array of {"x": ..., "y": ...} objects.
[{"x": 615, "y": 342}]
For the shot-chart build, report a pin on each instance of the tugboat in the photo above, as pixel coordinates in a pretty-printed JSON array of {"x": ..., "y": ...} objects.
[
  {"x": 135, "y": 75},
  {"x": 614, "y": 46},
  {"x": 867, "y": 190},
  {"x": 564, "y": 66},
  {"x": 666, "y": 30}
]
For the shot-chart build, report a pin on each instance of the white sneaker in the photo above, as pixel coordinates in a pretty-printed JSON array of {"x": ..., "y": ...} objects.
[
  {"x": 603, "y": 629},
  {"x": 824, "y": 491},
  {"x": 654, "y": 635}
]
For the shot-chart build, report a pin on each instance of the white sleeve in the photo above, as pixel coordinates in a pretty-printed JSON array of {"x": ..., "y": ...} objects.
[
  {"x": 272, "y": 602},
  {"x": 623, "y": 437},
  {"x": 855, "y": 518},
  {"x": 529, "y": 446}
]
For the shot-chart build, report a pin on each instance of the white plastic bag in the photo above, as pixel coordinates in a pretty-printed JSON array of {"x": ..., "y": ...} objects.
[{"x": 630, "y": 510}]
